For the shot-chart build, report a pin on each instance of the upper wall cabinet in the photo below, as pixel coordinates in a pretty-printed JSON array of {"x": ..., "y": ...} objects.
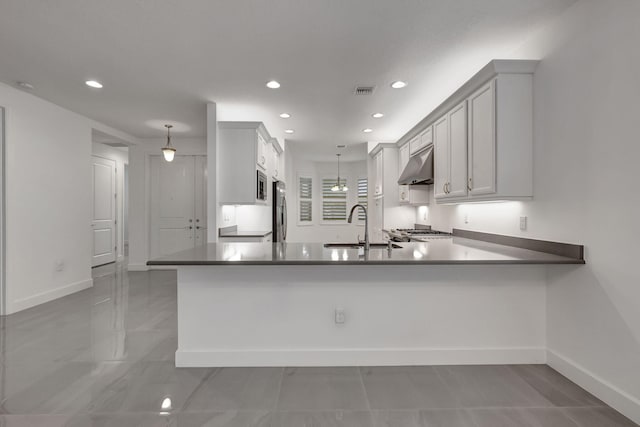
[
  {"x": 410, "y": 194},
  {"x": 276, "y": 165},
  {"x": 483, "y": 136},
  {"x": 243, "y": 157},
  {"x": 262, "y": 151}
]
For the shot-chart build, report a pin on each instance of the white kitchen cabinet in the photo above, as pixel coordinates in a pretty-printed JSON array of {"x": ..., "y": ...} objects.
[
  {"x": 450, "y": 166},
  {"x": 378, "y": 160},
  {"x": 261, "y": 151},
  {"x": 403, "y": 159},
  {"x": 410, "y": 194},
  {"x": 482, "y": 141},
  {"x": 441, "y": 156},
  {"x": 421, "y": 141},
  {"x": 276, "y": 163},
  {"x": 241, "y": 147},
  {"x": 483, "y": 136},
  {"x": 458, "y": 151}
]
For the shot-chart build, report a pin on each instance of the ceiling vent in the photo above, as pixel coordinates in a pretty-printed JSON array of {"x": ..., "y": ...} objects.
[{"x": 364, "y": 90}]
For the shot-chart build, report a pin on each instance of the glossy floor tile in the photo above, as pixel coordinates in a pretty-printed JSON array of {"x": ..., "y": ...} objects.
[{"x": 105, "y": 357}]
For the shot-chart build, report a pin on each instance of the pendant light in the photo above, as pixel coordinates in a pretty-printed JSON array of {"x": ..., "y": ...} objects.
[
  {"x": 339, "y": 186},
  {"x": 168, "y": 151}
]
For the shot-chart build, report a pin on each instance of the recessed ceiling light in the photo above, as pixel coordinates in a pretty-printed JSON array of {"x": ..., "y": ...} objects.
[
  {"x": 288, "y": 131},
  {"x": 273, "y": 84},
  {"x": 398, "y": 84},
  {"x": 377, "y": 115},
  {"x": 285, "y": 115},
  {"x": 94, "y": 84},
  {"x": 367, "y": 130},
  {"x": 25, "y": 85}
]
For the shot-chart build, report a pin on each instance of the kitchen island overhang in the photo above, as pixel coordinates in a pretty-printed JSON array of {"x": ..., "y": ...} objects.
[{"x": 266, "y": 306}]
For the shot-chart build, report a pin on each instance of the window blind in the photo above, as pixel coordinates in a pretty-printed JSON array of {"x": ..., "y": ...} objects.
[
  {"x": 305, "y": 187},
  {"x": 334, "y": 203},
  {"x": 363, "y": 190}
]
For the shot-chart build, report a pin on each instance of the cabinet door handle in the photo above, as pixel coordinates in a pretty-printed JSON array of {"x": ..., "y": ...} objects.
[
  {"x": 470, "y": 186},
  {"x": 444, "y": 188}
]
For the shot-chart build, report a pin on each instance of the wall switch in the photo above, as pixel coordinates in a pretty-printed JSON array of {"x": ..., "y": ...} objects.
[
  {"x": 523, "y": 223},
  {"x": 59, "y": 265},
  {"x": 340, "y": 315}
]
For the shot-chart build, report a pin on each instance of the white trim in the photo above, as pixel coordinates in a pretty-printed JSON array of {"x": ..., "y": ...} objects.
[
  {"x": 361, "y": 357},
  {"x": 618, "y": 399},
  {"x": 50, "y": 295}
]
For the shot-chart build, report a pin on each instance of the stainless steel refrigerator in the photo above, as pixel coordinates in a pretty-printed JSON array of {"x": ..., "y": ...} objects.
[{"x": 279, "y": 212}]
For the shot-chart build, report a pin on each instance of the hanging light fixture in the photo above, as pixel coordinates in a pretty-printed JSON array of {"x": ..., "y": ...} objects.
[
  {"x": 168, "y": 151},
  {"x": 339, "y": 186}
]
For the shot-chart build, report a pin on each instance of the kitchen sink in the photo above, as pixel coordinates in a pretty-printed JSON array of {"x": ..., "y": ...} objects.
[{"x": 360, "y": 245}]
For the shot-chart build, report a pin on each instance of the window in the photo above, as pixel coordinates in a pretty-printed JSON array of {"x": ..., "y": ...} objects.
[
  {"x": 363, "y": 190},
  {"x": 305, "y": 195},
  {"x": 334, "y": 203}
]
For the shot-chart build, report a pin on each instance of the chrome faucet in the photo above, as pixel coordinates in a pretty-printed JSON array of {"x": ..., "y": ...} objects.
[{"x": 366, "y": 224}]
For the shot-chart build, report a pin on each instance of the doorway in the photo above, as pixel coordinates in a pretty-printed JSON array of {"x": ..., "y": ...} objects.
[
  {"x": 109, "y": 162},
  {"x": 103, "y": 221},
  {"x": 178, "y": 204}
]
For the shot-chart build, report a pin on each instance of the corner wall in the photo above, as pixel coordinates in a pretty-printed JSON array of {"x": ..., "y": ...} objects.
[
  {"x": 48, "y": 199},
  {"x": 586, "y": 151}
]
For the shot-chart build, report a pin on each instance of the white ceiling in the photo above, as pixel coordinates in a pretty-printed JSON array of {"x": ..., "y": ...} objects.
[{"x": 162, "y": 61}]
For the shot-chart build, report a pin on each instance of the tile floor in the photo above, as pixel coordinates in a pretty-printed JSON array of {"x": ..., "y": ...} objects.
[{"x": 104, "y": 357}]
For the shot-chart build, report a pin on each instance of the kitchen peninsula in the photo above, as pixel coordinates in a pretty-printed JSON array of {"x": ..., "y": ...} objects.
[{"x": 448, "y": 301}]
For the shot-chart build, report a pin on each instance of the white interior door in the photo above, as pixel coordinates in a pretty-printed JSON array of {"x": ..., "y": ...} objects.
[
  {"x": 172, "y": 205},
  {"x": 103, "y": 224}
]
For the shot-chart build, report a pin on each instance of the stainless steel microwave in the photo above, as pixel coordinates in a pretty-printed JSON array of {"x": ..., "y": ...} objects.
[{"x": 261, "y": 186}]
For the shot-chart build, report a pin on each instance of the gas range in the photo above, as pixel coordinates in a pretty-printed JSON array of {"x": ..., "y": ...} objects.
[{"x": 415, "y": 234}]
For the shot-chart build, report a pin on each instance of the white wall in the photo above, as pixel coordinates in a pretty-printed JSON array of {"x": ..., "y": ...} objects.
[
  {"x": 140, "y": 187},
  {"x": 121, "y": 157},
  {"x": 48, "y": 199},
  {"x": 586, "y": 150},
  {"x": 318, "y": 232}
]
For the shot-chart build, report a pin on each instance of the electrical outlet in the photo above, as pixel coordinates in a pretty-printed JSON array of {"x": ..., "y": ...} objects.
[
  {"x": 466, "y": 218},
  {"x": 59, "y": 265},
  {"x": 523, "y": 223},
  {"x": 340, "y": 316}
]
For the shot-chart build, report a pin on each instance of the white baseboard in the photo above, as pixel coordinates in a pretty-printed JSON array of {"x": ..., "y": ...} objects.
[
  {"x": 620, "y": 400},
  {"x": 359, "y": 357},
  {"x": 41, "y": 298}
]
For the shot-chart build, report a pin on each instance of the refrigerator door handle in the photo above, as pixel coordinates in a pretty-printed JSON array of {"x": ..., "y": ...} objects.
[{"x": 284, "y": 218}]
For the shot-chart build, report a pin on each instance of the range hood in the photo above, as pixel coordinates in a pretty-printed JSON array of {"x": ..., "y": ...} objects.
[{"x": 419, "y": 170}]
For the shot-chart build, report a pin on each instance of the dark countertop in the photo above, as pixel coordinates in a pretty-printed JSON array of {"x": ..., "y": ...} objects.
[
  {"x": 246, "y": 233},
  {"x": 447, "y": 251},
  {"x": 232, "y": 231}
]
